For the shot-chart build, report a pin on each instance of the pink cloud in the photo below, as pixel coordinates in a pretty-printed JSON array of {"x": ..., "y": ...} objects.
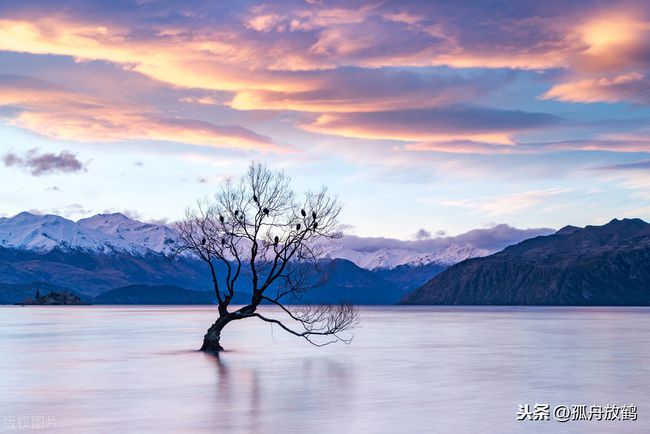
[
  {"x": 632, "y": 87},
  {"x": 62, "y": 114}
]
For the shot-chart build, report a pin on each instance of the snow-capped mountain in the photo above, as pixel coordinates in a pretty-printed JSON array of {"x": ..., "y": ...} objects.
[
  {"x": 42, "y": 233},
  {"x": 389, "y": 258},
  {"x": 378, "y": 253},
  {"x": 158, "y": 238},
  {"x": 103, "y": 233},
  {"x": 109, "y": 233}
]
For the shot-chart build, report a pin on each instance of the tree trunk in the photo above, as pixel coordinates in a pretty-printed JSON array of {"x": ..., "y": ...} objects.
[{"x": 212, "y": 337}]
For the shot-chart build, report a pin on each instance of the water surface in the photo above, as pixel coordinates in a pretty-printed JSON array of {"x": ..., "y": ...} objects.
[{"x": 408, "y": 370}]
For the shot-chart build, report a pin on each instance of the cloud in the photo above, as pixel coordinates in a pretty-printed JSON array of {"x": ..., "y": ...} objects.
[
  {"x": 631, "y": 87},
  {"x": 466, "y": 147},
  {"x": 494, "y": 238},
  {"x": 45, "y": 163},
  {"x": 347, "y": 228},
  {"x": 612, "y": 143},
  {"x": 617, "y": 143},
  {"x": 612, "y": 66},
  {"x": 368, "y": 70},
  {"x": 259, "y": 47},
  {"x": 190, "y": 57},
  {"x": 422, "y": 234},
  {"x": 206, "y": 48},
  {"x": 364, "y": 90},
  {"x": 213, "y": 179},
  {"x": 434, "y": 124},
  {"x": 637, "y": 165},
  {"x": 615, "y": 40},
  {"x": 376, "y": 34},
  {"x": 507, "y": 204},
  {"x": 68, "y": 211},
  {"x": 58, "y": 113}
]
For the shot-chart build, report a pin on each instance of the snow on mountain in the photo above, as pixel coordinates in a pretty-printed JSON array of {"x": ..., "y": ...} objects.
[
  {"x": 387, "y": 253},
  {"x": 154, "y": 237},
  {"x": 388, "y": 258},
  {"x": 107, "y": 233},
  {"x": 43, "y": 233}
]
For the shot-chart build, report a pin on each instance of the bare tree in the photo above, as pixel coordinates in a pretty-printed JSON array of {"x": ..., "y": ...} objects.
[{"x": 259, "y": 225}]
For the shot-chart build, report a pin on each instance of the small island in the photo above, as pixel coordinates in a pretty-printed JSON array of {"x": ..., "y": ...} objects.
[{"x": 53, "y": 298}]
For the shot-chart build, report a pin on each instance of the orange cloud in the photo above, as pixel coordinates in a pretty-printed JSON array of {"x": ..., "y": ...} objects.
[
  {"x": 615, "y": 44},
  {"x": 174, "y": 48},
  {"x": 209, "y": 61},
  {"x": 627, "y": 87},
  {"x": 61, "y": 114},
  {"x": 443, "y": 124},
  {"x": 226, "y": 60},
  {"x": 613, "y": 41},
  {"x": 265, "y": 73},
  {"x": 282, "y": 57},
  {"x": 360, "y": 90},
  {"x": 326, "y": 124}
]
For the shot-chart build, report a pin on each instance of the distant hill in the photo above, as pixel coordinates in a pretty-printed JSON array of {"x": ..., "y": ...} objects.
[
  {"x": 344, "y": 281},
  {"x": 144, "y": 294},
  {"x": 409, "y": 277},
  {"x": 595, "y": 265},
  {"x": 92, "y": 273}
]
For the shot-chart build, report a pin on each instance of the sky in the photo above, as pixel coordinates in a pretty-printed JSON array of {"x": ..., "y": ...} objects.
[{"x": 424, "y": 117}]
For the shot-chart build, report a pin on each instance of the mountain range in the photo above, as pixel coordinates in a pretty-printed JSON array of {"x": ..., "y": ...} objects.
[
  {"x": 102, "y": 233},
  {"x": 117, "y": 233},
  {"x": 112, "y": 251},
  {"x": 111, "y": 258},
  {"x": 595, "y": 265}
]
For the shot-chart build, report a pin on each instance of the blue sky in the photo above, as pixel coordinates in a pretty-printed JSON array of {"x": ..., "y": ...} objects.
[{"x": 435, "y": 115}]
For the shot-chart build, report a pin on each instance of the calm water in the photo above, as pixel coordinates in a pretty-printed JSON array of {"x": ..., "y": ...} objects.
[{"x": 408, "y": 370}]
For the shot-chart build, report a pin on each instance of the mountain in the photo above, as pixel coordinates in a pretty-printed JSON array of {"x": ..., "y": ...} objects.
[
  {"x": 92, "y": 273},
  {"x": 409, "y": 277},
  {"x": 390, "y": 258},
  {"x": 161, "y": 294},
  {"x": 109, "y": 251},
  {"x": 345, "y": 281},
  {"x": 157, "y": 238},
  {"x": 595, "y": 265},
  {"x": 43, "y": 233},
  {"x": 117, "y": 233},
  {"x": 378, "y": 253},
  {"x": 102, "y": 233},
  {"x": 338, "y": 280}
]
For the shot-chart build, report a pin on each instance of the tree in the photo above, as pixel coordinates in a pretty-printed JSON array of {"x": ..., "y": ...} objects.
[{"x": 257, "y": 224}]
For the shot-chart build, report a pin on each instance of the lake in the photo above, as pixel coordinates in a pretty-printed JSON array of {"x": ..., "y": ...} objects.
[{"x": 86, "y": 369}]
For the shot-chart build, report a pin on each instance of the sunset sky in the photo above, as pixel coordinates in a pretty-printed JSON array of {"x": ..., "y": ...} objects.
[{"x": 434, "y": 115}]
